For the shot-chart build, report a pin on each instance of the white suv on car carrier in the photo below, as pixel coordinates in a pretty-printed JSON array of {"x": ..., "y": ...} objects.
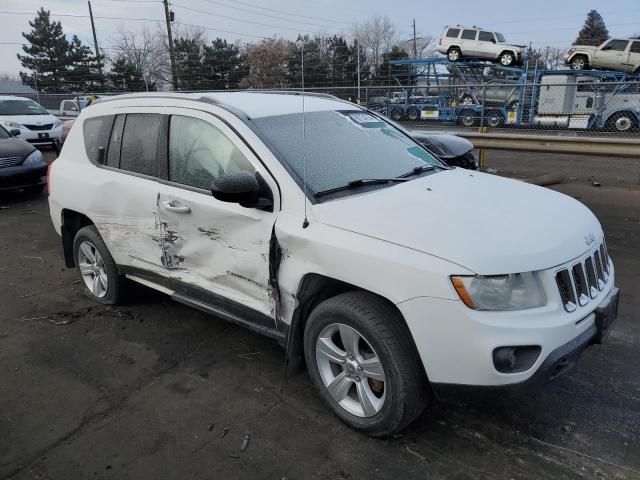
[
  {"x": 479, "y": 44},
  {"x": 325, "y": 227}
]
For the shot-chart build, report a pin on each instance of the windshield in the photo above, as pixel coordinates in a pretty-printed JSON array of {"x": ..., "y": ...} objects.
[
  {"x": 21, "y": 107},
  {"x": 341, "y": 146},
  {"x": 500, "y": 38}
]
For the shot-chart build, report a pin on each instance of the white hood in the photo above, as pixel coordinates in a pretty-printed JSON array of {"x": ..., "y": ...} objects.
[{"x": 488, "y": 224}]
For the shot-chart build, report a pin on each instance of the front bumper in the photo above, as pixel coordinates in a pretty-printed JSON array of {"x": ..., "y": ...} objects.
[
  {"x": 457, "y": 344},
  {"x": 15, "y": 178},
  {"x": 41, "y": 138}
]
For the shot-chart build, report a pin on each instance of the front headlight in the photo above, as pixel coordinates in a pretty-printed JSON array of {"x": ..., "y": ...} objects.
[
  {"x": 8, "y": 124},
  {"x": 34, "y": 158},
  {"x": 57, "y": 123},
  {"x": 515, "y": 291}
]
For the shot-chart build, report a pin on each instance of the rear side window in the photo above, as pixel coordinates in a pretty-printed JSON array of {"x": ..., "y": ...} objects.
[
  {"x": 140, "y": 137},
  {"x": 486, "y": 37},
  {"x": 96, "y": 135},
  {"x": 469, "y": 34},
  {"x": 453, "y": 32},
  {"x": 113, "y": 151}
]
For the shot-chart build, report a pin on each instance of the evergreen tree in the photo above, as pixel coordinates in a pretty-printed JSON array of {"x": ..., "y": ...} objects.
[
  {"x": 224, "y": 65},
  {"x": 594, "y": 32},
  {"x": 127, "y": 77},
  {"x": 82, "y": 73},
  {"x": 316, "y": 65},
  {"x": 188, "y": 60},
  {"x": 386, "y": 70},
  {"x": 46, "y": 54}
]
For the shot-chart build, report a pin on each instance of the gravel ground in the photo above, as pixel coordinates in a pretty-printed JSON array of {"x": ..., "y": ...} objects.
[{"x": 153, "y": 389}]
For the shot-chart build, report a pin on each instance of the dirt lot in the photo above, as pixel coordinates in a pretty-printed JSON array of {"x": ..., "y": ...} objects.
[{"x": 153, "y": 389}]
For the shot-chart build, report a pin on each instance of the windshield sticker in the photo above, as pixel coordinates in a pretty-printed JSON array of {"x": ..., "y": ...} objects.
[{"x": 363, "y": 118}]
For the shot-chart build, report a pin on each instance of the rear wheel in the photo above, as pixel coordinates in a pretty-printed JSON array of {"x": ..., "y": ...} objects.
[
  {"x": 96, "y": 267},
  {"x": 494, "y": 118},
  {"x": 413, "y": 114},
  {"x": 363, "y": 363},
  {"x": 467, "y": 99},
  {"x": 579, "y": 62},
  {"x": 397, "y": 114},
  {"x": 453, "y": 55},
  {"x": 468, "y": 118}
]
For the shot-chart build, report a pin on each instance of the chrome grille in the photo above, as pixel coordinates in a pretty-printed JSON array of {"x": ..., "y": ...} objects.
[
  {"x": 10, "y": 161},
  {"x": 582, "y": 281}
]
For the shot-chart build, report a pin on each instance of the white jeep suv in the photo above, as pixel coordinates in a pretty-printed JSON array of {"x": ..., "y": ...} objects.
[
  {"x": 616, "y": 54},
  {"x": 323, "y": 226},
  {"x": 476, "y": 43}
]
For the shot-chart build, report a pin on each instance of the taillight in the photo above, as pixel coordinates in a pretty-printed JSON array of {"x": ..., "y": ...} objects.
[{"x": 49, "y": 178}]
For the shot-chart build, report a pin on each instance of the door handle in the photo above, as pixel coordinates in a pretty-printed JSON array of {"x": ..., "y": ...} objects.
[{"x": 171, "y": 206}]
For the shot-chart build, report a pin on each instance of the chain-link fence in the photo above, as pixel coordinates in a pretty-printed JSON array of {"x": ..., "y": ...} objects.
[{"x": 556, "y": 104}]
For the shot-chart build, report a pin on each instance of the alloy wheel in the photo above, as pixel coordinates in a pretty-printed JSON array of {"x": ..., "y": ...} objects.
[
  {"x": 350, "y": 370},
  {"x": 92, "y": 269}
]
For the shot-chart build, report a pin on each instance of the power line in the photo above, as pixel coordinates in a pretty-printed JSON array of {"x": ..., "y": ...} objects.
[
  {"x": 280, "y": 11},
  {"x": 74, "y": 15}
]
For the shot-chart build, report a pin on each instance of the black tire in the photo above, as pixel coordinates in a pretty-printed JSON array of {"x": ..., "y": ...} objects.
[
  {"x": 380, "y": 325},
  {"x": 454, "y": 54},
  {"x": 467, "y": 99},
  {"x": 468, "y": 118},
  {"x": 579, "y": 62},
  {"x": 397, "y": 114},
  {"x": 623, "y": 122},
  {"x": 115, "y": 281},
  {"x": 413, "y": 114},
  {"x": 493, "y": 118},
  {"x": 507, "y": 59}
]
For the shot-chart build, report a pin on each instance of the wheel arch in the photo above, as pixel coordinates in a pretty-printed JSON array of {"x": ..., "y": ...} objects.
[
  {"x": 313, "y": 289},
  {"x": 72, "y": 221},
  {"x": 610, "y": 115}
]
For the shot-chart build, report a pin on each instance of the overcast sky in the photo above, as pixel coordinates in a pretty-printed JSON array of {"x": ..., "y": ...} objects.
[{"x": 543, "y": 22}]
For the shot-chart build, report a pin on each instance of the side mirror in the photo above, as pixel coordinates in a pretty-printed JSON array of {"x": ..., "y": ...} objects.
[
  {"x": 15, "y": 132},
  {"x": 240, "y": 187}
]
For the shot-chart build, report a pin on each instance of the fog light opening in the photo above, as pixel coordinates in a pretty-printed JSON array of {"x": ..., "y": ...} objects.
[{"x": 515, "y": 359}]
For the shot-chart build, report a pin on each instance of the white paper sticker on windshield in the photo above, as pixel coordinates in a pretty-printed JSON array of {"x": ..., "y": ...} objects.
[{"x": 363, "y": 118}]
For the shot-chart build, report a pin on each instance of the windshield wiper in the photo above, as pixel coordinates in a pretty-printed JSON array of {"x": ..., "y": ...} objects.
[
  {"x": 419, "y": 169},
  {"x": 360, "y": 182}
]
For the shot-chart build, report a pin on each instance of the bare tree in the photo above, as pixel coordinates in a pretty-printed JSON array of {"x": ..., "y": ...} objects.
[
  {"x": 377, "y": 36},
  {"x": 145, "y": 51},
  {"x": 268, "y": 63}
]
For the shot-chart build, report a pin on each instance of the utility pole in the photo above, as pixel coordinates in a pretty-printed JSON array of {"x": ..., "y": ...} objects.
[
  {"x": 358, "y": 53},
  {"x": 95, "y": 41},
  {"x": 168, "y": 16},
  {"x": 415, "y": 45}
]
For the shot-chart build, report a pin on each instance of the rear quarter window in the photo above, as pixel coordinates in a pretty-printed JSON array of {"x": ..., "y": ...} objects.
[
  {"x": 96, "y": 134},
  {"x": 139, "y": 151},
  {"x": 453, "y": 32}
]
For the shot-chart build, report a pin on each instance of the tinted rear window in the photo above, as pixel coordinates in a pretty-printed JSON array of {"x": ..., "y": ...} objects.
[
  {"x": 96, "y": 135},
  {"x": 139, "y": 149},
  {"x": 453, "y": 32},
  {"x": 469, "y": 34}
]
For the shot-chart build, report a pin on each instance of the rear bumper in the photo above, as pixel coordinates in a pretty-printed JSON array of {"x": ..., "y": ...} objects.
[{"x": 15, "y": 178}]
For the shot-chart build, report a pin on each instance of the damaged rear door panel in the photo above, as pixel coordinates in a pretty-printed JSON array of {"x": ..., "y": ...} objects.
[{"x": 216, "y": 252}]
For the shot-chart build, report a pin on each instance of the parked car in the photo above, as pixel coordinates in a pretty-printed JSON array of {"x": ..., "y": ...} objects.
[
  {"x": 616, "y": 54},
  {"x": 453, "y": 150},
  {"x": 346, "y": 241},
  {"x": 21, "y": 164},
  {"x": 473, "y": 42},
  {"x": 36, "y": 125}
]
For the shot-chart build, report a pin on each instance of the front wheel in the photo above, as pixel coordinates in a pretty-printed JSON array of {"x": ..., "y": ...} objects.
[
  {"x": 96, "y": 267},
  {"x": 507, "y": 59},
  {"x": 579, "y": 62},
  {"x": 623, "y": 122},
  {"x": 397, "y": 114},
  {"x": 468, "y": 118},
  {"x": 364, "y": 364}
]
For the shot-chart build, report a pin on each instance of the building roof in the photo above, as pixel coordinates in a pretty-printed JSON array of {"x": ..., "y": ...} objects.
[{"x": 10, "y": 87}]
